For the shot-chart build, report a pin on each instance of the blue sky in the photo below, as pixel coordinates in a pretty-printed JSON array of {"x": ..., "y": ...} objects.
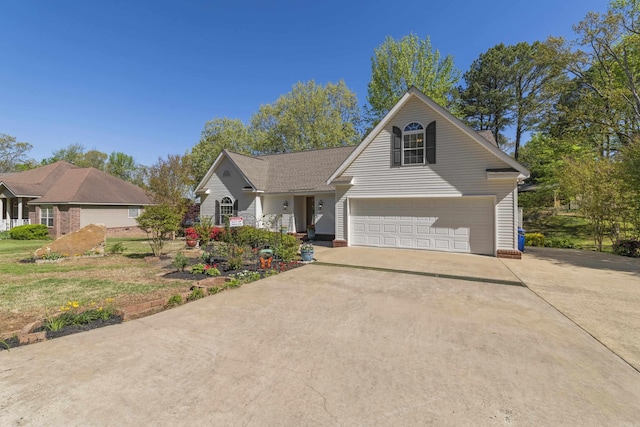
[{"x": 142, "y": 77}]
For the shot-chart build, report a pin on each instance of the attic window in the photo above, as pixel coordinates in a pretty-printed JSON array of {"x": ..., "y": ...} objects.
[
  {"x": 413, "y": 144},
  {"x": 226, "y": 173}
]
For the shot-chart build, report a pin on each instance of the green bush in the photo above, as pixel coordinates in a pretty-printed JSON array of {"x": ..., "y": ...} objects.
[
  {"x": 534, "y": 239},
  {"x": 174, "y": 300},
  {"x": 560, "y": 242},
  {"x": 180, "y": 261},
  {"x": 116, "y": 248},
  {"x": 30, "y": 232},
  {"x": 628, "y": 247},
  {"x": 196, "y": 294},
  {"x": 287, "y": 250}
]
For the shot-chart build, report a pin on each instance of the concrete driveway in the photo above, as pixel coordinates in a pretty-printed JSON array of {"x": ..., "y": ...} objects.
[{"x": 326, "y": 345}]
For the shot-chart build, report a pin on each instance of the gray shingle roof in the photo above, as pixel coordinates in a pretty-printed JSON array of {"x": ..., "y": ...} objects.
[
  {"x": 292, "y": 172},
  {"x": 488, "y": 135}
]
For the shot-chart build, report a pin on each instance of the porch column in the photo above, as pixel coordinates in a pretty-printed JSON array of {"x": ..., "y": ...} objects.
[
  {"x": 19, "y": 211},
  {"x": 8, "y": 211}
]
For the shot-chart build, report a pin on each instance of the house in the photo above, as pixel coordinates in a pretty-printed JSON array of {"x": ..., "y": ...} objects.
[
  {"x": 421, "y": 179},
  {"x": 66, "y": 198}
]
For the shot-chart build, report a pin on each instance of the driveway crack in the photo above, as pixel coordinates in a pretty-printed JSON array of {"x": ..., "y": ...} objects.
[{"x": 324, "y": 404}]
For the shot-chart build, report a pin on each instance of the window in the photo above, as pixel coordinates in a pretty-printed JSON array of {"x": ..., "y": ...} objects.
[
  {"x": 413, "y": 145},
  {"x": 134, "y": 211},
  {"x": 46, "y": 215},
  {"x": 226, "y": 208}
]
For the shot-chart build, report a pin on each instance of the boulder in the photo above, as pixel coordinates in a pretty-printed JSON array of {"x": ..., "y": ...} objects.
[{"x": 90, "y": 238}]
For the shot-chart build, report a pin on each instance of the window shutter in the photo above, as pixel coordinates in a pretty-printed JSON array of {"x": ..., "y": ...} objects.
[
  {"x": 235, "y": 208},
  {"x": 396, "y": 147},
  {"x": 217, "y": 213},
  {"x": 431, "y": 142}
]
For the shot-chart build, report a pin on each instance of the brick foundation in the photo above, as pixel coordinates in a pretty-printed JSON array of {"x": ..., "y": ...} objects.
[
  {"x": 132, "y": 231},
  {"x": 339, "y": 243},
  {"x": 509, "y": 254}
]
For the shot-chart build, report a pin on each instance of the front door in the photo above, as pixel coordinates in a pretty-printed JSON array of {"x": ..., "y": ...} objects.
[{"x": 311, "y": 211}]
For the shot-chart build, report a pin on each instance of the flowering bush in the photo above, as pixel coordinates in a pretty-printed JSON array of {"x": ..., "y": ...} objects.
[
  {"x": 209, "y": 270},
  {"x": 191, "y": 234},
  {"x": 217, "y": 234}
]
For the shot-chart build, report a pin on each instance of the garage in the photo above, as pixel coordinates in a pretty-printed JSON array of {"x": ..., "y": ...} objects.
[{"x": 460, "y": 224}]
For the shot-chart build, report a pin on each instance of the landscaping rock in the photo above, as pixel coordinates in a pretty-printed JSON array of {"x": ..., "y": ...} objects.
[{"x": 91, "y": 238}]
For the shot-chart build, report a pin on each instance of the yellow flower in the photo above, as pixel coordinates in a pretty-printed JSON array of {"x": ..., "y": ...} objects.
[
  {"x": 75, "y": 304},
  {"x": 93, "y": 303},
  {"x": 109, "y": 300}
]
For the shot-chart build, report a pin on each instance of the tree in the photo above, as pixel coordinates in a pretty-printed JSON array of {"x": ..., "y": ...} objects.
[
  {"x": 310, "y": 116},
  {"x": 121, "y": 165},
  {"x": 158, "y": 221},
  {"x": 488, "y": 97},
  {"x": 595, "y": 184},
  {"x": 511, "y": 85},
  {"x": 396, "y": 65},
  {"x": 12, "y": 153},
  {"x": 605, "y": 62},
  {"x": 169, "y": 181},
  {"x": 73, "y": 153},
  {"x": 218, "y": 134},
  {"x": 94, "y": 159}
]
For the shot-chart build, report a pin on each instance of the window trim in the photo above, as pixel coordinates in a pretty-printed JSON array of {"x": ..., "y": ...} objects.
[
  {"x": 224, "y": 205},
  {"x": 419, "y": 131},
  {"x": 48, "y": 218},
  {"x": 138, "y": 210}
]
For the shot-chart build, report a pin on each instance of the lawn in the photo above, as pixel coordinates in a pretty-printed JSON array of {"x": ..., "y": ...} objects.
[
  {"x": 29, "y": 290},
  {"x": 569, "y": 227}
]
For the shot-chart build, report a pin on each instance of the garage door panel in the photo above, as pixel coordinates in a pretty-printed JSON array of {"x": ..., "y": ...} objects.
[{"x": 448, "y": 224}]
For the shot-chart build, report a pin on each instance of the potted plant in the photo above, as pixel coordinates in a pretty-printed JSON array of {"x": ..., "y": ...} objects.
[
  {"x": 192, "y": 237},
  {"x": 311, "y": 231},
  {"x": 306, "y": 252}
]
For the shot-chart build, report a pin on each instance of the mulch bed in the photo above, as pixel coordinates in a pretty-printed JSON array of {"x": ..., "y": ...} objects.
[{"x": 67, "y": 330}]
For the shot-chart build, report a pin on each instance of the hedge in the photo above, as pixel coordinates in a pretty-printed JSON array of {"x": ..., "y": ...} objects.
[{"x": 30, "y": 232}]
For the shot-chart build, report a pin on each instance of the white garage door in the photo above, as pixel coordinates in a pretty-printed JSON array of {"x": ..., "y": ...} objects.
[{"x": 461, "y": 224}]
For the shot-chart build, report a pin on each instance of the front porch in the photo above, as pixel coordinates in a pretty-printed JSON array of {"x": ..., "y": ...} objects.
[{"x": 13, "y": 212}]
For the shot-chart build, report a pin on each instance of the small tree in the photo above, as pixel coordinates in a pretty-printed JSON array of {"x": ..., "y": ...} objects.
[
  {"x": 158, "y": 221},
  {"x": 595, "y": 185}
]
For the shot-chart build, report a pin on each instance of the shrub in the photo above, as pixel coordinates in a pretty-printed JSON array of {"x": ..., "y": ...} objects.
[
  {"x": 174, "y": 300},
  {"x": 534, "y": 239},
  {"x": 559, "y": 242},
  {"x": 197, "y": 268},
  {"x": 214, "y": 290},
  {"x": 211, "y": 270},
  {"x": 195, "y": 294},
  {"x": 180, "y": 261},
  {"x": 158, "y": 221},
  {"x": 627, "y": 247},
  {"x": 287, "y": 250},
  {"x": 117, "y": 248},
  {"x": 235, "y": 262},
  {"x": 30, "y": 232}
]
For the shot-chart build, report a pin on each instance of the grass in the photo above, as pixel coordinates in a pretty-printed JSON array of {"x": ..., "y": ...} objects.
[
  {"x": 28, "y": 290},
  {"x": 567, "y": 226}
]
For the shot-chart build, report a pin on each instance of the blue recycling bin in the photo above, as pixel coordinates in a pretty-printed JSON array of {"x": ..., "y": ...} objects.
[{"x": 521, "y": 239}]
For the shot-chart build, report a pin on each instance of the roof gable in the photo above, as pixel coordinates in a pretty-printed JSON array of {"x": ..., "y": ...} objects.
[
  {"x": 413, "y": 92},
  {"x": 285, "y": 172}
]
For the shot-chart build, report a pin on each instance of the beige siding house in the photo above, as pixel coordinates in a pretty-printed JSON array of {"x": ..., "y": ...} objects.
[
  {"x": 66, "y": 198},
  {"x": 421, "y": 179}
]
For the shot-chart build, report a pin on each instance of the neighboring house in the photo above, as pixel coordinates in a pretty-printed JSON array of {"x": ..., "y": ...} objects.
[
  {"x": 421, "y": 179},
  {"x": 66, "y": 198}
]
